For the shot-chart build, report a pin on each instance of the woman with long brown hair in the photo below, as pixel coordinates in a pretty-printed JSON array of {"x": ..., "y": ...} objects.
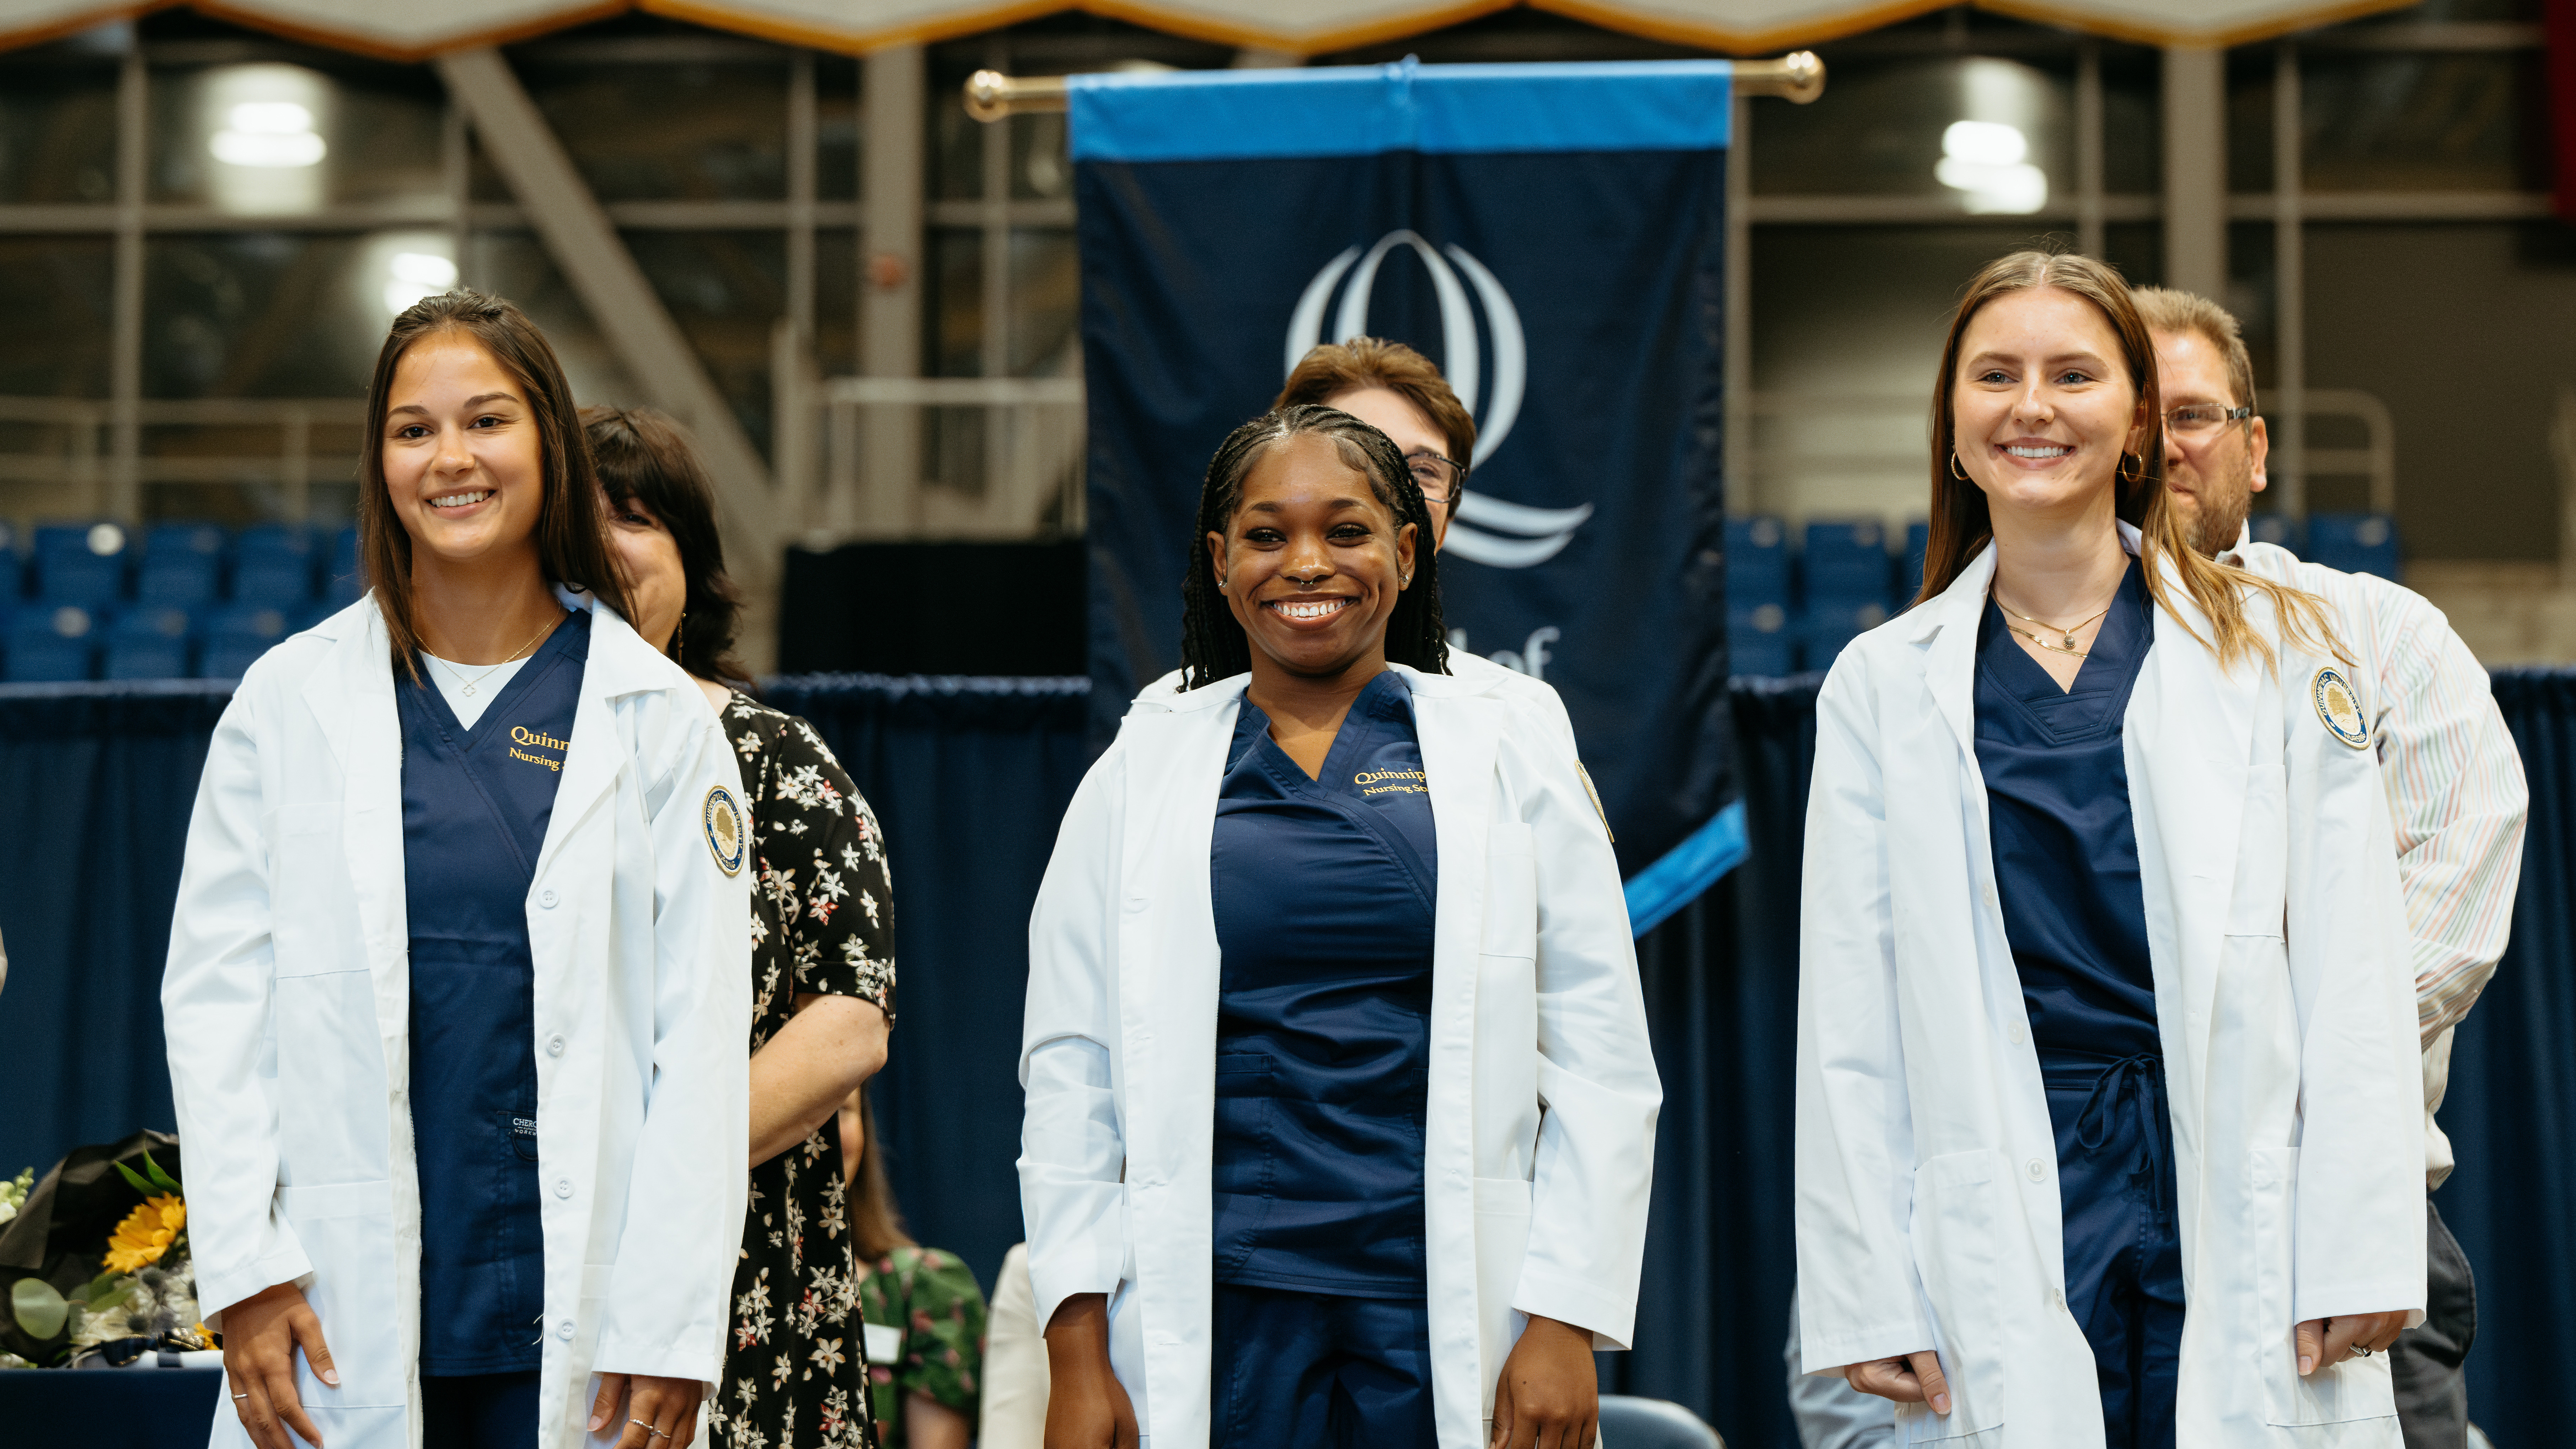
[
  {"x": 2104, "y": 1013},
  {"x": 458, "y": 984}
]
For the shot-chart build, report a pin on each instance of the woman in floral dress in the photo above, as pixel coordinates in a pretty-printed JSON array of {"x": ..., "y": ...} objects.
[
  {"x": 922, "y": 1305},
  {"x": 822, "y": 967}
]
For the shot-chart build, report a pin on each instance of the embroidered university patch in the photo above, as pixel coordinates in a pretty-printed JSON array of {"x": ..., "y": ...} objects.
[
  {"x": 2337, "y": 708},
  {"x": 725, "y": 830}
]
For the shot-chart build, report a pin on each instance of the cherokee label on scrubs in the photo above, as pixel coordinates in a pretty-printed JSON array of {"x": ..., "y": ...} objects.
[{"x": 2340, "y": 712}]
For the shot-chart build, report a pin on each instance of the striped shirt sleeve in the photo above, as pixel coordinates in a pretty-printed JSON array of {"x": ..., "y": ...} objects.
[{"x": 2456, "y": 796}]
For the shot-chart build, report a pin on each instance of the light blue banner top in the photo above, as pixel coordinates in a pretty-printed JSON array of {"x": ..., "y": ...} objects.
[{"x": 1220, "y": 115}]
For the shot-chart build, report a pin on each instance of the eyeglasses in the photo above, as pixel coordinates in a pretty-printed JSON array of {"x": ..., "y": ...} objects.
[
  {"x": 1438, "y": 476},
  {"x": 2193, "y": 419}
]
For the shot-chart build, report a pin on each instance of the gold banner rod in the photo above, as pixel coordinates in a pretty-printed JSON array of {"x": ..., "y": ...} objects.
[{"x": 990, "y": 95}]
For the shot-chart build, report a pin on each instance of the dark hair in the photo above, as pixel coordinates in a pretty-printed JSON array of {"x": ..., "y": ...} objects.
[
  {"x": 876, "y": 1224},
  {"x": 643, "y": 455},
  {"x": 1213, "y": 645},
  {"x": 1333, "y": 368},
  {"x": 571, "y": 546}
]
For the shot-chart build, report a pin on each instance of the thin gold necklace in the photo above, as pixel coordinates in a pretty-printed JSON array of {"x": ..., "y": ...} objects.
[
  {"x": 477, "y": 680},
  {"x": 2067, "y": 633}
]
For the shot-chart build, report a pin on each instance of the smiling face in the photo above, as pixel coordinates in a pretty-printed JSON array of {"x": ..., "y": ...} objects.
[
  {"x": 2042, "y": 404},
  {"x": 657, "y": 585},
  {"x": 463, "y": 457},
  {"x": 1312, "y": 564}
]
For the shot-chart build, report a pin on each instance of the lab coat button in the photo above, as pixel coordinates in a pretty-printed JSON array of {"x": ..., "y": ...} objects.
[
  {"x": 563, "y": 1185},
  {"x": 563, "y": 1330},
  {"x": 2016, "y": 1033},
  {"x": 2038, "y": 1170},
  {"x": 554, "y": 1046},
  {"x": 546, "y": 898},
  {"x": 2056, "y": 1298}
]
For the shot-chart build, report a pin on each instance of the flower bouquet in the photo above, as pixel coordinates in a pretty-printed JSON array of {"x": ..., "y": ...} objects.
[{"x": 94, "y": 1259}]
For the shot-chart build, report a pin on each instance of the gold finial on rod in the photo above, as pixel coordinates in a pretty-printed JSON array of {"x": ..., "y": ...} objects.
[{"x": 1798, "y": 77}]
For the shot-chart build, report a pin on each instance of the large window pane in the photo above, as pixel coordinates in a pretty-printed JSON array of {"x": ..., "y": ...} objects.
[
  {"x": 515, "y": 265},
  {"x": 273, "y": 139},
  {"x": 726, "y": 290},
  {"x": 268, "y": 314},
  {"x": 57, "y": 130},
  {"x": 1996, "y": 134},
  {"x": 1046, "y": 303},
  {"x": 698, "y": 132},
  {"x": 1847, "y": 331},
  {"x": 2455, "y": 122},
  {"x": 2474, "y": 360},
  {"x": 55, "y": 293},
  {"x": 954, "y": 309}
]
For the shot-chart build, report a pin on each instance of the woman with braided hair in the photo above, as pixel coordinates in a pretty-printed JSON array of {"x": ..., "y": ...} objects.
[{"x": 1340, "y": 1103}]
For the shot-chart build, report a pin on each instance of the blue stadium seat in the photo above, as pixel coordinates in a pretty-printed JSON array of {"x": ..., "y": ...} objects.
[
  {"x": 2357, "y": 543},
  {"x": 13, "y": 578},
  {"x": 273, "y": 565},
  {"x": 2281, "y": 529},
  {"x": 148, "y": 642},
  {"x": 81, "y": 564},
  {"x": 1831, "y": 624},
  {"x": 341, "y": 579},
  {"x": 240, "y": 634},
  {"x": 1847, "y": 563},
  {"x": 1759, "y": 641},
  {"x": 1757, "y": 564},
  {"x": 181, "y": 564},
  {"x": 52, "y": 645}
]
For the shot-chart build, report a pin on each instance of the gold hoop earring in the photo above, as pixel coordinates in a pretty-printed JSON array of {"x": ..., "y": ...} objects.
[
  {"x": 1954, "y": 470},
  {"x": 2125, "y": 475}
]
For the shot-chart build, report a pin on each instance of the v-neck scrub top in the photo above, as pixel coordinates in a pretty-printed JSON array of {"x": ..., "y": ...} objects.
[
  {"x": 475, "y": 807},
  {"x": 1323, "y": 892},
  {"x": 2065, "y": 844}
]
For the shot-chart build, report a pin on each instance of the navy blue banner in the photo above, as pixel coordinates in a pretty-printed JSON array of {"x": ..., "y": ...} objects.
[{"x": 1550, "y": 235}]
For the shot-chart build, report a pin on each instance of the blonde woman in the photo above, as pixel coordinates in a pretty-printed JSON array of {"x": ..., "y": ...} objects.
[{"x": 2105, "y": 1019}]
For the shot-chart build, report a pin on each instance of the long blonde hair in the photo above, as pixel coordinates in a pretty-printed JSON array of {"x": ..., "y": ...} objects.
[{"x": 1961, "y": 522}]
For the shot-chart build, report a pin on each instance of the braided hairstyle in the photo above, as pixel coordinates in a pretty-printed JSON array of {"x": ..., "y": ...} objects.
[{"x": 1213, "y": 645}]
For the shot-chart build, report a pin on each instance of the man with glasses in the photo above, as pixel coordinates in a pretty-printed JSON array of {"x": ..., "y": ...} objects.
[{"x": 2454, "y": 780}]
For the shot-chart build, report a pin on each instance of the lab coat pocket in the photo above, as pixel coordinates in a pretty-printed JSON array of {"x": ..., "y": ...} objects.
[
  {"x": 2261, "y": 896},
  {"x": 1511, "y": 890},
  {"x": 2356, "y": 1389},
  {"x": 1958, "y": 1253},
  {"x": 313, "y": 912},
  {"x": 334, "y": 1054},
  {"x": 347, "y": 1232}
]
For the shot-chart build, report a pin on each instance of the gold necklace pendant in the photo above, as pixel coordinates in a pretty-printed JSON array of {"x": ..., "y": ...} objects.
[{"x": 2067, "y": 648}]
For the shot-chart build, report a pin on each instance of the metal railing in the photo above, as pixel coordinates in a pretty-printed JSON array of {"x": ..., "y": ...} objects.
[
  {"x": 1821, "y": 454},
  {"x": 56, "y": 453}
]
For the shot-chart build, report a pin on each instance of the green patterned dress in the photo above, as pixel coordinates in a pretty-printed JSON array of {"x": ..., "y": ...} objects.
[
  {"x": 932, "y": 1300},
  {"x": 822, "y": 920}
]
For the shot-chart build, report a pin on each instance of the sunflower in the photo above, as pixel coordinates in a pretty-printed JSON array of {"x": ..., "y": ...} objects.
[{"x": 146, "y": 1233}]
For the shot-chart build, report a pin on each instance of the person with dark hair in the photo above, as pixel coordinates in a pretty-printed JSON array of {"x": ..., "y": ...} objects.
[
  {"x": 821, "y": 972},
  {"x": 459, "y": 977},
  {"x": 1340, "y": 1105},
  {"x": 2106, "y": 1122},
  {"x": 924, "y": 1311}
]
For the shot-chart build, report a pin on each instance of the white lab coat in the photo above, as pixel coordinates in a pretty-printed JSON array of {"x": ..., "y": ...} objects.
[
  {"x": 1538, "y": 1143},
  {"x": 1927, "y": 1195},
  {"x": 287, "y": 1004}
]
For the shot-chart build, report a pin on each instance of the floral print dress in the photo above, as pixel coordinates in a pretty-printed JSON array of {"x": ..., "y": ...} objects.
[
  {"x": 822, "y": 920},
  {"x": 934, "y": 1305}
]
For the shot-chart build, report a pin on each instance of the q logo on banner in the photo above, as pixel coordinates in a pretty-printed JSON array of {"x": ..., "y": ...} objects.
[{"x": 1485, "y": 530}]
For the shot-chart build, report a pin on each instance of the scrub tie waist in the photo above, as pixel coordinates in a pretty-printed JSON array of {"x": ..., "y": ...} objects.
[{"x": 2128, "y": 1099}]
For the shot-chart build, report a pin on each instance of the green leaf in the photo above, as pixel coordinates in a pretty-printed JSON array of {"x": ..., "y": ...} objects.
[
  {"x": 160, "y": 1179},
  {"x": 38, "y": 1308},
  {"x": 141, "y": 1184}
]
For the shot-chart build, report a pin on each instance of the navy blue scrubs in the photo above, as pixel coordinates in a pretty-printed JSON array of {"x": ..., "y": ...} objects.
[
  {"x": 2066, "y": 867},
  {"x": 1323, "y": 891},
  {"x": 475, "y": 806}
]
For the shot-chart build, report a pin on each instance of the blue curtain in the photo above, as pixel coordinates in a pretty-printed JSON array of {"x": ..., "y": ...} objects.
[{"x": 970, "y": 777}]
